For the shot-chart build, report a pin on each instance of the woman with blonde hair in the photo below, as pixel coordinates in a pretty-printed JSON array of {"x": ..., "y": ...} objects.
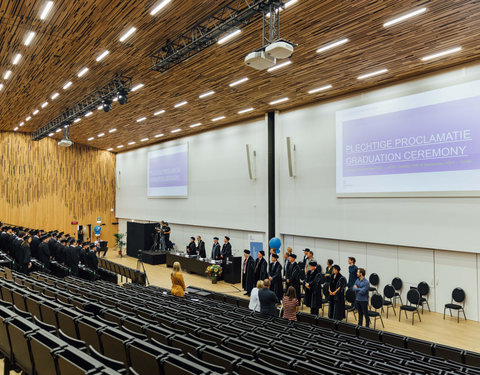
[
  {"x": 178, "y": 285},
  {"x": 254, "y": 301}
]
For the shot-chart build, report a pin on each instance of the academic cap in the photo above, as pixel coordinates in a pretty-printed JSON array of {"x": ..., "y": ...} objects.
[
  {"x": 294, "y": 256},
  {"x": 228, "y": 238},
  {"x": 246, "y": 251},
  {"x": 215, "y": 238},
  {"x": 312, "y": 263},
  {"x": 275, "y": 256},
  {"x": 262, "y": 252}
]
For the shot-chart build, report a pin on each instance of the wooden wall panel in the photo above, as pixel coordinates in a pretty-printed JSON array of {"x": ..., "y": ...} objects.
[{"x": 46, "y": 186}]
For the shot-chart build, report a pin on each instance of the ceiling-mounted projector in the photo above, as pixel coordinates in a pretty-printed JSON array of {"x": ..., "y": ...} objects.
[
  {"x": 259, "y": 60},
  {"x": 65, "y": 143},
  {"x": 279, "y": 49}
]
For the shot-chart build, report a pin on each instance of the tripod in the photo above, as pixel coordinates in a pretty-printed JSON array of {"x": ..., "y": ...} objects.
[{"x": 140, "y": 267}]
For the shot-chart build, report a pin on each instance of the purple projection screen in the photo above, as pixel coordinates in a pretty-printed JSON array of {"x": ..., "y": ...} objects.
[
  {"x": 168, "y": 172},
  {"x": 428, "y": 142}
]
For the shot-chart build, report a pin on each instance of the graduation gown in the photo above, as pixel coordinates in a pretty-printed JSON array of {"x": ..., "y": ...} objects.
[
  {"x": 34, "y": 246},
  {"x": 24, "y": 257},
  {"x": 260, "y": 272},
  {"x": 275, "y": 272},
  {"x": 336, "y": 307},
  {"x": 191, "y": 249},
  {"x": 201, "y": 249},
  {"x": 72, "y": 258},
  {"x": 92, "y": 260},
  {"x": 226, "y": 251},
  {"x": 216, "y": 251},
  {"x": 316, "y": 281},
  {"x": 43, "y": 254},
  {"x": 294, "y": 273},
  {"x": 248, "y": 274}
]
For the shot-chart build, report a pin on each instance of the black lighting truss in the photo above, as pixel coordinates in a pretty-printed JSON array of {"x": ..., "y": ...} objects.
[
  {"x": 235, "y": 15},
  {"x": 87, "y": 104}
]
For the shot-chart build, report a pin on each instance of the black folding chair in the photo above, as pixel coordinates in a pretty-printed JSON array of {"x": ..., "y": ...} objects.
[
  {"x": 388, "y": 292},
  {"x": 350, "y": 297},
  {"x": 376, "y": 301},
  {"x": 458, "y": 296},
  {"x": 413, "y": 297},
  {"x": 397, "y": 284},
  {"x": 424, "y": 289},
  {"x": 374, "y": 280}
]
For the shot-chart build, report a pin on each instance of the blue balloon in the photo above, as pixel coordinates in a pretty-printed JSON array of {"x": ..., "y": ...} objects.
[
  {"x": 275, "y": 243},
  {"x": 97, "y": 229}
]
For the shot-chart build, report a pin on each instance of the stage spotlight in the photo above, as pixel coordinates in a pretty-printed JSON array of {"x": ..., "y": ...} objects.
[
  {"x": 107, "y": 105},
  {"x": 122, "y": 96}
]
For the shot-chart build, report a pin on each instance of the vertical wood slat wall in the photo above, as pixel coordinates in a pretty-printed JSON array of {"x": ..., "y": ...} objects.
[{"x": 46, "y": 186}]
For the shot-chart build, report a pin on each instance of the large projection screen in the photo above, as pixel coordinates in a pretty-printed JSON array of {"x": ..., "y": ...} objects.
[
  {"x": 426, "y": 144},
  {"x": 167, "y": 173}
]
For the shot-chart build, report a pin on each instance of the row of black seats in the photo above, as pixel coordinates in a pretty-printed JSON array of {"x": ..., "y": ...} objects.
[{"x": 129, "y": 273}]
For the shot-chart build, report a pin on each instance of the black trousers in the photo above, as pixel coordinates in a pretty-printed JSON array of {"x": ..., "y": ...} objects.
[
  {"x": 314, "y": 311},
  {"x": 362, "y": 308}
]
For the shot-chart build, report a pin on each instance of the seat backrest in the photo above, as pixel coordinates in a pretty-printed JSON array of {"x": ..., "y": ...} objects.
[
  {"x": 389, "y": 291},
  {"x": 326, "y": 287},
  {"x": 413, "y": 296},
  {"x": 377, "y": 301},
  {"x": 350, "y": 296},
  {"x": 423, "y": 288},
  {"x": 115, "y": 365},
  {"x": 41, "y": 346},
  {"x": 373, "y": 279},
  {"x": 397, "y": 283},
  {"x": 458, "y": 295}
]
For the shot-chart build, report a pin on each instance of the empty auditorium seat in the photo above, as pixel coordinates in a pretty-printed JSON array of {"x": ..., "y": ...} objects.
[{"x": 119, "y": 367}]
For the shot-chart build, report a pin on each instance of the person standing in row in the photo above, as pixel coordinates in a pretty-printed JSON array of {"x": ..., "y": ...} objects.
[
  {"x": 191, "y": 247},
  {"x": 226, "y": 252},
  {"x": 352, "y": 272},
  {"x": 361, "y": 288},
  {"x": 290, "y": 304},
  {"x": 178, "y": 284},
  {"x": 254, "y": 303},
  {"x": 275, "y": 277},
  {"x": 215, "y": 249},
  {"x": 329, "y": 269},
  {"x": 261, "y": 272},
  {"x": 336, "y": 307},
  {"x": 313, "y": 288},
  {"x": 293, "y": 274},
  {"x": 201, "y": 248},
  {"x": 248, "y": 272},
  {"x": 268, "y": 299}
]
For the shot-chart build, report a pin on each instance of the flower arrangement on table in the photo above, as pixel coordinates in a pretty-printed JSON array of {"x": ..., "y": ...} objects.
[{"x": 214, "y": 271}]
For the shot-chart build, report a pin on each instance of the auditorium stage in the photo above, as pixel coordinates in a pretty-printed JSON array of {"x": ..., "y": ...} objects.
[{"x": 432, "y": 327}]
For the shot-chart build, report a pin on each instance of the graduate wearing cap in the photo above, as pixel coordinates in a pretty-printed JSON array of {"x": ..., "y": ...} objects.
[
  {"x": 260, "y": 272},
  {"x": 43, "y": 253},
  {"x": 92, "y": 260},
  {"x": 248, "y": 272},
  {"x": 338, "y": 283},
  {"x": 293, "y": 274},
  {"x": 215, "y": 249},
  {"x": 275, "y": 276},
  {"x": 35, "y": 243},
  {"x": 191, "y": 247},
  {"x": 24, "y": 255},
  {"x": 226, "y": 252},
  {"x": 313, "y": 287}
]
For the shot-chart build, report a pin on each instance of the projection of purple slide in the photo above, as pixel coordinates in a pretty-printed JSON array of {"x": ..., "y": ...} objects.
[{"x": 168, "y": 170}]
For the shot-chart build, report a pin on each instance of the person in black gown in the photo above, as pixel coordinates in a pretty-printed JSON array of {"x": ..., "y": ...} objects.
[
  {"x": 261, "y": 272},
  {"x": 336, "y": 307},
  {"x": 275, "y": 276},
  {"x": 293, "y": 274},
  {"x": 313, "y": 287},
  {"x": 201, "y": 248},
  {"x": 191, "y": 247},
  {"x": 248, "y": 272}
]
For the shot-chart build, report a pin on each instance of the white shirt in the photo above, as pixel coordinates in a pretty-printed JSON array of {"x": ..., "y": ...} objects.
[{"x": 254, "y": 301}]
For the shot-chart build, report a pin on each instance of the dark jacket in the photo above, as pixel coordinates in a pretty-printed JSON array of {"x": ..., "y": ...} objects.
[
  {"x": 261, "y": 272},
  {"x": 268, "y": 301},
  {"x": 226, "y": 251},
  {"x": 315, "y": 281},
  {"x": 216, "y": 251},
  {"x": 248, "y": 274},
  {"x": 191, "y": 249},
  {"x": 275, "y": 272},
  {"x": 201, "y": 249},
  {"x": 43, "y": 254}
]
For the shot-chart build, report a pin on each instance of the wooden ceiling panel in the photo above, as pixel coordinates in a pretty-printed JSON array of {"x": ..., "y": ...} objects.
[{"x": 76, "y": 32}]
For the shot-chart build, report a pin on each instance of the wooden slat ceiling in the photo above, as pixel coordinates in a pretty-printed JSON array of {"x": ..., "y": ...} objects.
[{"x": 76, "y": 32}]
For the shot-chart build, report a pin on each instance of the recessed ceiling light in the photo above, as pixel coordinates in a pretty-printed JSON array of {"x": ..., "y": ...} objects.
[
  {"x": 131, "y": 143},
  {"x": 375, "y": 73},
  {"x": 16, "y": 59},
  {"x": 28, "y": 118},
  {"x": 139, "y": 86},
  {"x": 159, "y": 7},
  {"x": 7, "y": 74},
  {"x": 44, "y": 104},
  {"x": 143, "y": 139},
  {"x": 1, "y": 86},
  {"x": 278, "y": 101},
  {"x": 35, "y": 112},
  {"x": 58, "y": 130},
  {"x": 100, "y": 135},
  {"x": 159, "y": 135},
  {"x": 29, "y": 38},
  {"x": 88, "y": 114},
  {"x": 195, "y": 125},
  {"x": 90, "y": 139},
  {"x": 404, "y": 17},
  {"x": 159, "y": 112},
  {"x": 180, "y": 104},
  {"x": 127, "y": 34},
  {"x": 50, "y": 134},
  {"x": 332, "y": 45},
  {"x": 100, "y": 107},
  {"x": 141, "y": 119},
  {"x": 441, "y": 54},
  {"x": 109, "y": 149},
  {"x": 21, "y": 124},
  {"x": 273, "y": 68},
  {"x": 175, "y": 130},
  {"x": 218, "y": 118},
  {"x": 54, "y": 96},
  {"x": 115, "y": 99},
  {"x": 245, "y": 111},
  {"x": 15, "y": 129},
  {"x": 286, "y": 5},
  {"x": 46, "y": 9},
  {"x": 102, "y": 56},
  {"x": 207, "y": 94},
  {"x": 112, "y": 130},
  {"x": 67, "y": 85},
  {"x": 227, "y": 37},
  {"x": 320, "y": 89},
  {"x": 77, "y": 120},
  {"x": 82, "y": 72},
  {"x": 238, "y": 82},
  {"x": 120, "y": 146}
]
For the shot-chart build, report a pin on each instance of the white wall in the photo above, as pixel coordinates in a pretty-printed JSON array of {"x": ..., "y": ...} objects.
[
  {"x": 308, "y": 205},
  {"x": 221, "y": 195}
]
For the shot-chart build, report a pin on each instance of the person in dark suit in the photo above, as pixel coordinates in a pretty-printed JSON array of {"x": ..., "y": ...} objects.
[
  {"x": 43, "y": 255},
  {"x": 248, "y": 272},
  {"x": 336, "y": 306},
  {"x": 268, "y": 299},
  {"x": 35, "y": 243},
  {"x": 92, "y": 260},
  {"x": 313, "y": 288},
  {"x": 260, "y": 272},
  {"x": 226, "y": 249},
  {"x": 201, "y": 248},
  {"x": 293, "y": 274},
  {"x": 191, "y": 248},
  {"x": 275, "y": 277},
  {"x": 215, "y": 249},
  {"x": 24, "y": 255},
  {"x": 72, "y": 257},
  {"x": 83, "y": 253}
]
